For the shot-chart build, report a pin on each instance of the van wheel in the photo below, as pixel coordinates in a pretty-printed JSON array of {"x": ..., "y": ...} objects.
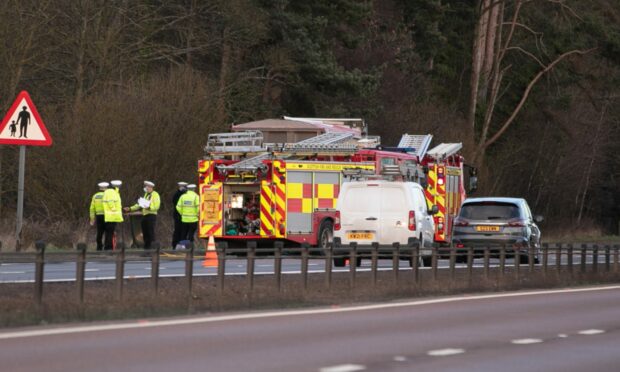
[{"x": 326, "y": 236}]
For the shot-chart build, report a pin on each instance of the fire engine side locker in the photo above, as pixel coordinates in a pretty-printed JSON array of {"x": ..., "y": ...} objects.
[{"x": 211, "y": 210}]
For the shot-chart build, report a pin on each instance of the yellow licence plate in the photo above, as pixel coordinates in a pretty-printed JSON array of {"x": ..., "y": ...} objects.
[
  {"x": 360, "y": 236},
  {"x": 487, "y": 228}
]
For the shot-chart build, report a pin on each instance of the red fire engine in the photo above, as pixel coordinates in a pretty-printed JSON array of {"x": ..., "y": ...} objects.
[{"x": 250, "y": 190}]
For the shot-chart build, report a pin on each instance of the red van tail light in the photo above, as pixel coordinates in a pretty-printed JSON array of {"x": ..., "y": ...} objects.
[
  {"x": 411, "y": 224},
  {"x": 337, "y": 221}
]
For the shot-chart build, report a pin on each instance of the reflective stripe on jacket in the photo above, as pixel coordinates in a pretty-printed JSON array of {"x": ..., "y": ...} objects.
[
  {"x": 96, "y": 205},
  {"x": 112, "y": 207},
  {"x": 153, "y": 207},
  {"x": 187, "y": 206}
]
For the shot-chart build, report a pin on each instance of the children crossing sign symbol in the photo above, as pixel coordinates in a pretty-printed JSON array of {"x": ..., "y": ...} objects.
[{"x": 22, "y": 125}]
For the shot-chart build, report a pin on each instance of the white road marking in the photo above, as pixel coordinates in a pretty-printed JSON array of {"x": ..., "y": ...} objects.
[
  {"x": 272, "y": 314},
  {"x": 526, "y": 341},
  {"x": 91, "y": 270},
  {"x": 343, "y": 368},
  {"x": 400, "y": 358},
  {"x": 562, "y": 335},
  {"x": 12, "y": 272},
  {"x": 445, "y": 352},
  {"x": 591, "y": 332}
]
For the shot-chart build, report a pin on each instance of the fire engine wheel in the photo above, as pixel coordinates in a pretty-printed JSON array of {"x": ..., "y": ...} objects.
[{"x": 326, "y": 236}]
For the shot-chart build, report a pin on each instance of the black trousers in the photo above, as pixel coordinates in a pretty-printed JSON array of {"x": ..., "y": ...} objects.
[
  {"x": 178, "y": 228},
  {"x": 148, "y": 229},
  {"x": 188, "y": 230},
  {"x": 100, "y": 223},
  {"x": 109, "y": 235}
]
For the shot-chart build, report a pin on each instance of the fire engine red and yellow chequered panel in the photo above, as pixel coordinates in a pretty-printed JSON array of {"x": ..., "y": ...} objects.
[
  {"x": 299, "y": 205},
  {"x": 211, "y": 203},
  {"x": 267, "y": 209},
  {"x": 279, "y": 182},
  {"x": 326, "y": 195}
]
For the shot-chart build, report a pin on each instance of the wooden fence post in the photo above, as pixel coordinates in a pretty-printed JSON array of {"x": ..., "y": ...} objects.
[
  {"x": 278, "y": 264},
  {"x": 305, "y": 252},
  {"x": 39, "y": 272},
  {"x": 155, "y": 267},
  {"x": 250, "y": 263},
  {"x": 396, "y": 260},
  {"x": 80, "y": 271},
  {"x": 352, "y": 263},
  {"x": 120, "y": 271},
  {"x": 221, "y": 249},
  {"x": 374, "y": 262}
]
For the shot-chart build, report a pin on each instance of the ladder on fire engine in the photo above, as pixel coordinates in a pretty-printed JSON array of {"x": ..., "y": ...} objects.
[
  {"x": 444, "y": 150},
  {"x": 416, "y": 144},
  {"x": 247, "y": 165},
  {"x": 236, "y": 142},
  {"x": 324, "y": 143}
]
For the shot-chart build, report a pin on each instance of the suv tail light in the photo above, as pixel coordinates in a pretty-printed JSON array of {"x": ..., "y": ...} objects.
[
  {"x": 337, "y": 221},
  {"x": 461, "y": 222},
  {"x": 516, "y": 223},
  {"x": 411, "y": 223}
]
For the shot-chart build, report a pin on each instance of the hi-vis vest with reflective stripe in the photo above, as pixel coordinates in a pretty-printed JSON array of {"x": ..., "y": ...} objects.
[
  {"x": 112, "y": 207},
  {"x": 96, "y": 205},
  {"x": 187, "y": 206},
  {"x": 153, "y": 207}
]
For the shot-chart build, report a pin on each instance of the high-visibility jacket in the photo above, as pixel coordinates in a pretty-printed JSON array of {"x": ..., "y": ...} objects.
[
  {"x": 187, "y": 206},
  {"x": 112, "y": 206},
  {"x": 153, "y": 207},
  {"x": 96, "y": 205}
]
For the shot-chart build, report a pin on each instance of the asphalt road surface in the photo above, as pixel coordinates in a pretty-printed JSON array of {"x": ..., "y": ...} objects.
[
  {"x": 65, "y": 271},
  {"x": 554, "y": 330}
]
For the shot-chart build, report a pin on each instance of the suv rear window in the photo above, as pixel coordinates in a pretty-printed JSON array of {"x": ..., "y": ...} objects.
[{"x": 489, "y": 211}]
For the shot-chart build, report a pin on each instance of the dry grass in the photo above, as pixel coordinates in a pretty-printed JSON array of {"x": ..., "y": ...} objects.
[{"x": 60, "y": 303}]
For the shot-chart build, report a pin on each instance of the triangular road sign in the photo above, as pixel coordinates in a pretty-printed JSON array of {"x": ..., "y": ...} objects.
[{"x": 22, "y": 125}]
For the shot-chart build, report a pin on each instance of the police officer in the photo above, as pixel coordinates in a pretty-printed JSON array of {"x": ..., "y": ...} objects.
[
  {"x": 96, "y": 213},
  {"x": 150, "y": 205},
  {"x": 176, "y": 234},
  {"x": 187, "y": 207},
  {"x": 112, "y": 212}
]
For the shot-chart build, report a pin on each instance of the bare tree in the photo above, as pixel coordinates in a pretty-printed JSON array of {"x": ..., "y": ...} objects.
[{"x": 491, "y": 47}]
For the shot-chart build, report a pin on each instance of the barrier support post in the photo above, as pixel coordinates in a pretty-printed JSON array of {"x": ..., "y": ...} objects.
[{"x": 80, "y": 271}]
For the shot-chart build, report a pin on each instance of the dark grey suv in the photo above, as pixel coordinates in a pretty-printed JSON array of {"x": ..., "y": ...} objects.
[{"x": 497, "y": 221}]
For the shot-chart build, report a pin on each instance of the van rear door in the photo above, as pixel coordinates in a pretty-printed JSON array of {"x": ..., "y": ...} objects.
[
  {"x": 360, "y": 213},
  {"x": 394, "y": 214}
]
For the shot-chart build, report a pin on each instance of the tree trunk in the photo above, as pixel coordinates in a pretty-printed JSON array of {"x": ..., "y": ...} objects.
[
  {"x": 595, "y": 145},
  {"x": 224, "y": 71}
]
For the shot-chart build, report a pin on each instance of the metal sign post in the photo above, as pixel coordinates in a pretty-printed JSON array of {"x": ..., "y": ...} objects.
[{"x": 20, "y": 198}]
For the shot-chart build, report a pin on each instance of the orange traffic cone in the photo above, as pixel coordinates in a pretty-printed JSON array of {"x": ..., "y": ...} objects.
[{"x": 210, "y": 254}]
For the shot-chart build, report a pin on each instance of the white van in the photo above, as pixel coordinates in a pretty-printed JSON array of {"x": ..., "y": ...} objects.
[{"x": 384, "y": 212}]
